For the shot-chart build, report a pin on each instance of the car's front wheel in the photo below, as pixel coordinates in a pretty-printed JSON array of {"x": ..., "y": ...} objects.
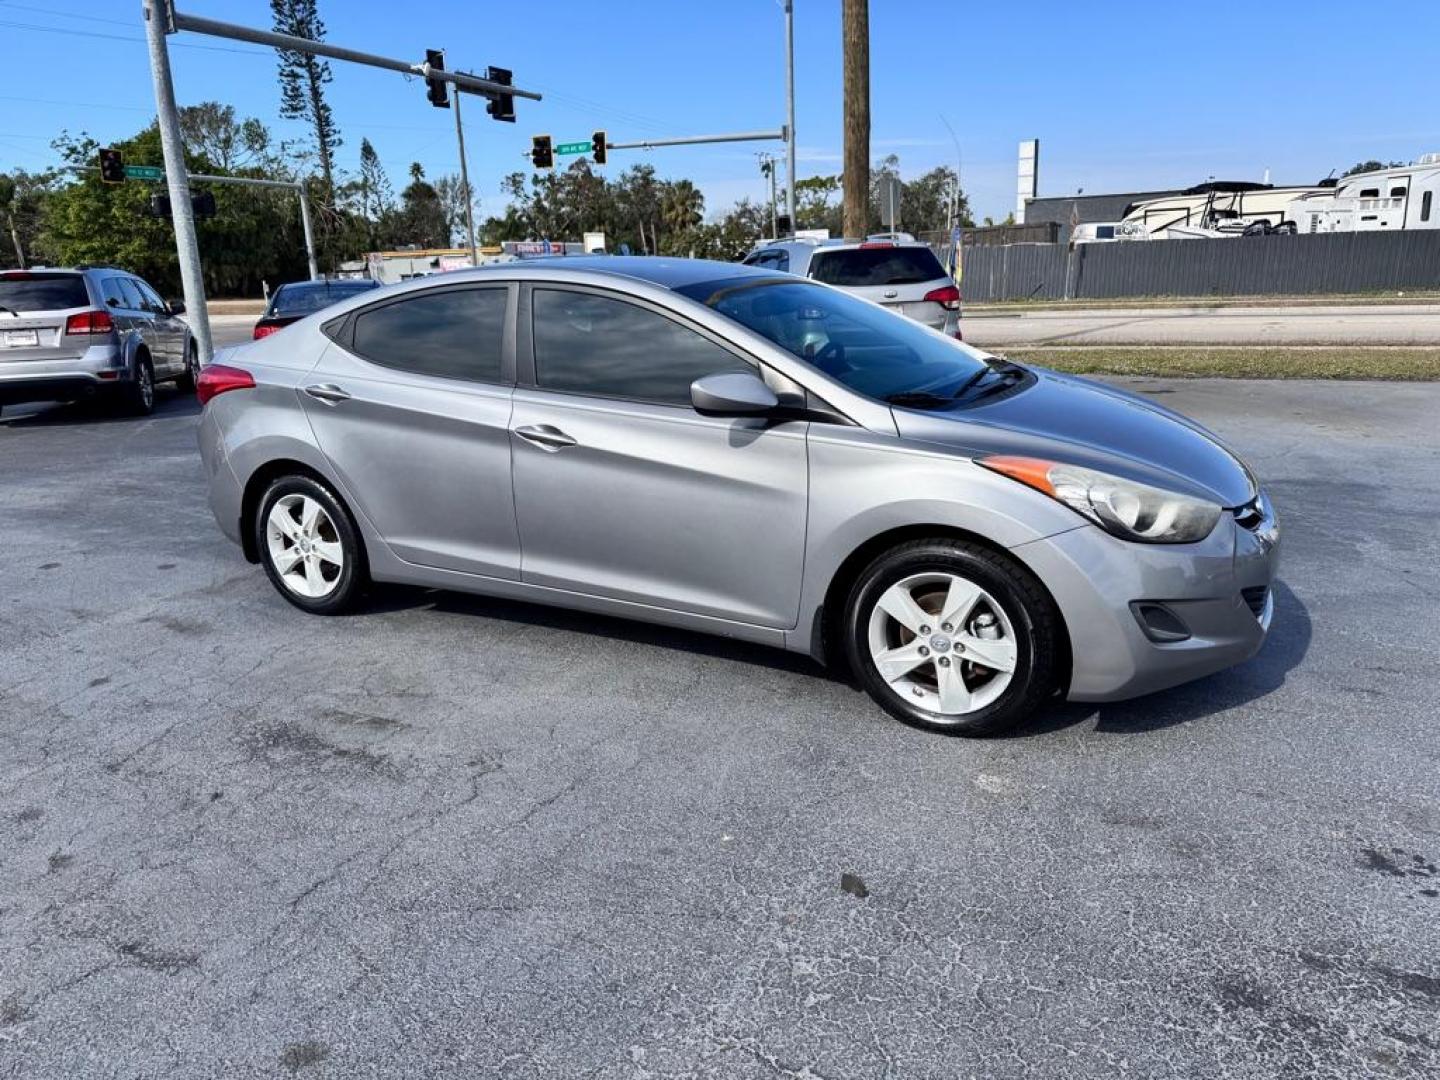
[
  {"x": 952, "y": 636},
  {"x": 309, "y": 546}
]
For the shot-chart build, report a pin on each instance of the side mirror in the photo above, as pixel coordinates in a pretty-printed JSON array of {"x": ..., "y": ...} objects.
[
  {"x": 732, "y": 394},
  {"x": 177, "y": 307}
]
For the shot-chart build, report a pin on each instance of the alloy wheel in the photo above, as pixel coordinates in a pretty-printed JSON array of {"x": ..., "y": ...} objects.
[
  {"x": 942, "y": 642},
  {"x": 304, "y": 546}
]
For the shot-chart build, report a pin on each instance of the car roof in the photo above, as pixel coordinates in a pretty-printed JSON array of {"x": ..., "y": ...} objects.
[
  {"x": 658, "y": 270},
  {"x": 341, "y": 283}
]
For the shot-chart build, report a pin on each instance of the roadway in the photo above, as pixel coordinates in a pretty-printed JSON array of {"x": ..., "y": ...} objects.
[{"x": 1260, "y": 325}]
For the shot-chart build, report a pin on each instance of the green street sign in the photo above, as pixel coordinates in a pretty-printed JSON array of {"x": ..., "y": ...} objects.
[
  {"x": 144, "y": 172},
  {"x": 574, "y": 147}
]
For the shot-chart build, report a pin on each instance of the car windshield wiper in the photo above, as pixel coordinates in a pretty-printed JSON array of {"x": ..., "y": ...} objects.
[{"x": 919, "y": 399}]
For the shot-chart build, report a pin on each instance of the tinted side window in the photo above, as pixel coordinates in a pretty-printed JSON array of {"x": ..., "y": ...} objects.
[
  {"x": 1425, "y": 206},
  {"x": 133, "y": 302},
  {"x": 455, "y": 333},
  {"x": 148, "y": 298},
  {"x": 588, "y": 344},
  {"x": 111, "y": 293},
  {"x": 782, "y": 260}
]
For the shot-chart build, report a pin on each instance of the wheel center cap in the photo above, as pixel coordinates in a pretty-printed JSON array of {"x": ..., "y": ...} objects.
[{"x": 939, "y": 643}]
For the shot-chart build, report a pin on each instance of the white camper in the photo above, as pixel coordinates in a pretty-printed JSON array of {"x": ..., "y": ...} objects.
[{"x": 1400, "y": 197}]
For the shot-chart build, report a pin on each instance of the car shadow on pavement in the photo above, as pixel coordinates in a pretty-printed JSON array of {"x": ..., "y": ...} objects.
[
  {"x": 1289, "y": 641},
  {"x": 403, "y": 597},
  {"x": 169, "y": 403}
]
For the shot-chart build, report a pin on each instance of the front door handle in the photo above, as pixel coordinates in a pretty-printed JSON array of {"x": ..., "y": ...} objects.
[
  {"x": 545, "y": 436},
  {"x": 328, "y": 393}
]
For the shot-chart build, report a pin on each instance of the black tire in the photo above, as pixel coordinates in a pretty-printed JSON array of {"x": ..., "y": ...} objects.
[
  {"x": 186, "y": 382},
  {"x": 350, "y": 583},
  {"x": 1035, "y": 624},
  {"x": 138, "y": 395}
]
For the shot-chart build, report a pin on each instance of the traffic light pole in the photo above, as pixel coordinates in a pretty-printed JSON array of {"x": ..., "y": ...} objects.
[
  {"x": 695, "y": 140},
  {"x": 297, "y": 186},
  {"x": 465, "y": 186},
  {"x": 187, "y": 244},
  {"x": 161, "y": 18},
  {"x": 790, "y": 110}
]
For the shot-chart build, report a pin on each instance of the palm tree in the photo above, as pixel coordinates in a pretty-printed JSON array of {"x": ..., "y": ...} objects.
[{"x": 682, "y": 206}]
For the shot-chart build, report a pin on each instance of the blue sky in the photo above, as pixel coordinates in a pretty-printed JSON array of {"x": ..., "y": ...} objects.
[{"x": 1123, "y": 95}]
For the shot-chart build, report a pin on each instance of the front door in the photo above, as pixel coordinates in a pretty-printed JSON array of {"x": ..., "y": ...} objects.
[
  {"x": 412, "y": 408},
  {"x": 622, "y": 490}
]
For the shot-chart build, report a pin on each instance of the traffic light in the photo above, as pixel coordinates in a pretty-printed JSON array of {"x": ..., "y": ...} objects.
[
  {"x": 159, "y": 205},
  {"x": 597, "y": 147},
  {"x": 503, "y": 107},
  {"x": 439, "y": 97},
  {"x": 112, "y": 167},
  {"x": 203, "y": 205},
  {"x": 542, "y": 155}
]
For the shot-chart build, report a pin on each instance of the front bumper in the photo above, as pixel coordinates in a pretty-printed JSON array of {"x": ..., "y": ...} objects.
[
  {"x": 63, "y": 379},
  {"x": 1221, "y": 589}
]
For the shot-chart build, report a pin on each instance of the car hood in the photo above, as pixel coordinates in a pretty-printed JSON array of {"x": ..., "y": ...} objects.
[{"x": 1070, "y": 419}]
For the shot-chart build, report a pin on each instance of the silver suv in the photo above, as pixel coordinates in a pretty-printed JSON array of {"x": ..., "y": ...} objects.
[
  {"x": 892, "y": 269},
  {"x": 72, "y": 334}
]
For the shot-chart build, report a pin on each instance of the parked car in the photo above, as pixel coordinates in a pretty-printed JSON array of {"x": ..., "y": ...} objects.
[
  {"x": 71, "y": 334},
  {"x": 767, "y": 458},
  {"x": 892, "y": 269},
  {"x": 291, "y": 303}
]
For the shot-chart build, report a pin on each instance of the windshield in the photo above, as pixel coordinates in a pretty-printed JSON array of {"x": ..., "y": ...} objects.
[
  {"x": 869, "y": 349},
  {"x": 27, "y": 291},
  {"x": 303, "y": 299},
  {"x": 868, "y": 266}
]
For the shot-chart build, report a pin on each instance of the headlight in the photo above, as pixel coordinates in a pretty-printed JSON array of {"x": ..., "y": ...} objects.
[{"x": 1129, "y": 510}]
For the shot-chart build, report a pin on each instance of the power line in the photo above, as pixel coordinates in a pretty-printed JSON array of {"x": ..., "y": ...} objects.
[{"x": 120, "y": 37}]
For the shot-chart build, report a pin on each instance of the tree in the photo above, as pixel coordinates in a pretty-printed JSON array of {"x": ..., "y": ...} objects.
[
  {"x": 451, "y": 192},
  {"x": 302, "y": 84},
  {"x": 377, "y": 197},
  {"x": 22, "y": 202},
  {"x": 422, "y": 217},
  {"x": 210, "y": 130},
  {"x": 1372, "y": 166}
]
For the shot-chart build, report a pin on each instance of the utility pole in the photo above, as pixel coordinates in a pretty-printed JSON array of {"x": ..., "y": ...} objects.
[
  {"x": 187, "y": 243},
  {"x": 465, "y": 186},
  {"x": 856, "y": 33},
  {"x": 790, "y": 113}
]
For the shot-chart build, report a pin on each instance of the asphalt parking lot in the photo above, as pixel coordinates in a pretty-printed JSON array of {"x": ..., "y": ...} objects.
[{"x": 460, "y": 837}]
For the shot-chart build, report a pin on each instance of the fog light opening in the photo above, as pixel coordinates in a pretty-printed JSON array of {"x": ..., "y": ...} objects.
[{"x": 1159, "y": 622}]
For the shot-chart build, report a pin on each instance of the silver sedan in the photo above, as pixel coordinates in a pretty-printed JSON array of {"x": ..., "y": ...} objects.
[{"x": 757, "y": 456}]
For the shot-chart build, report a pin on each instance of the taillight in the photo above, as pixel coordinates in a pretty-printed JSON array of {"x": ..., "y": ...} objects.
[
  {"x": 218, "y": 378},
  {"x": 261, "y": 330},
  {"x": 878, "y": 244},
  {"x": 89, "y": 322},
  {"x": 947, "y": 297}
]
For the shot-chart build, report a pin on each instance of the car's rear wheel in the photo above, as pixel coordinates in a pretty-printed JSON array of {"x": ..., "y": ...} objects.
[
  {"x": 188, "y": 381},
  {"x": 309, "y": 546},
  {"x": 952, "y": 636},
  {"x": 139, "y": 393}
]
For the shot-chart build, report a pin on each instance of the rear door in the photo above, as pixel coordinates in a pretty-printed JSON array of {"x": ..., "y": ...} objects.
[
  {"x": 33, "y": 308},
  {"x": 898, "y": 276},
  {"x": 411, "y": 405},
  {"x": 623, "y": 490},
  {"x": 167, "y": 331}
]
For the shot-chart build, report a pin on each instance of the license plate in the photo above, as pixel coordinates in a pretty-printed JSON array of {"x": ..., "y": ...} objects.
[{"x": 19, "y": 339}]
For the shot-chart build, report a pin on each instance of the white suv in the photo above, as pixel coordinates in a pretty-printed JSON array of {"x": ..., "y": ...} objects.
[{"x": 892, "y": 269}]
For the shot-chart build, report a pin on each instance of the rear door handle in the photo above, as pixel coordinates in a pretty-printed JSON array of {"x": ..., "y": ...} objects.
[
  {"x": 328, "y": 393},
  {"x": 545, "y": 436}
]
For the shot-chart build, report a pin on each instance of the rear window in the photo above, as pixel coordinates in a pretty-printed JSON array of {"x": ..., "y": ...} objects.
[
  {"x": 302, "y": 300},
  {"x": 876, "y": 266},
  {"x": 42, "y": 292}
]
